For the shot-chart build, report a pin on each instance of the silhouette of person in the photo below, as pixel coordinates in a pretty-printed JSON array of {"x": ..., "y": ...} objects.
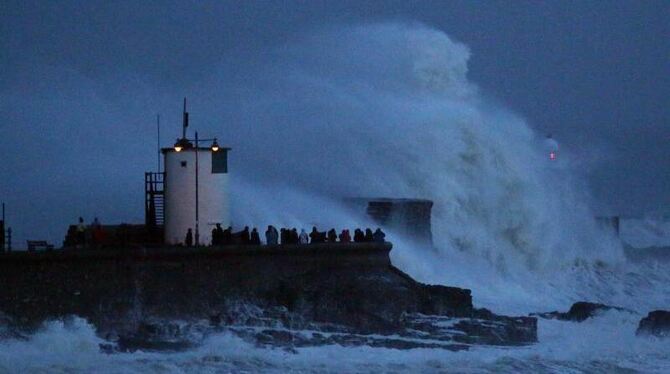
[
  {"x": 189, "y": 238},
  {"x": 344, "y": 236},
  {"x": 332, "y": 236},
  {"x": 227, "y": 236},
  {"x": 358, "y": 236},
  {"x": 81, "y": 233},
  {"x": 245, "y": 235},
  {"x": 303, "y": 238},
  {"x": 269, "y": 240},
  {"x": 368, "y": 236},
  {"x": 217, "y": 235},
  {"x": 284, "y": 237},
  {"x": 255, "y": 239},
  {"x": 295, "y": 237},
  {"x": 378, "y": 235},
  {"x": 314, "y": 236}
]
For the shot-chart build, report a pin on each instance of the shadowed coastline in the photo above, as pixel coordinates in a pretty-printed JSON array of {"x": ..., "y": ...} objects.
[{"x": 267, "y": 294}]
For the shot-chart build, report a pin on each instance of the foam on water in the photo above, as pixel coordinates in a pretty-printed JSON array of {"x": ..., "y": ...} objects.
[
  {"x": 388, "y": 110},
  {"x": 508, "y": 223},
  {"x": 603, "y": 344}
]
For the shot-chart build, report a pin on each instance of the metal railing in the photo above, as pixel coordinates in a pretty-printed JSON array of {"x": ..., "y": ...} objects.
[{"x": 6, "y": 240}]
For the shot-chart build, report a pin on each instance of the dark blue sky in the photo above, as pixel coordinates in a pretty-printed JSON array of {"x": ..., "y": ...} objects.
[{"x": 595, "y": 74}]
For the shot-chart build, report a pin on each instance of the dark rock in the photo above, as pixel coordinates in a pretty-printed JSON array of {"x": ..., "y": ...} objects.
[
  {"x": 656, "y": 323},
  {"x": 579, "y": 312},
  {"x": 496, "y": 330},
  {"x": 134, "y": 343},
  {"x": 350, "y": 292}
]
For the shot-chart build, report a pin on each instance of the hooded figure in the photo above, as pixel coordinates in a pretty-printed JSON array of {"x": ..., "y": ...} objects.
[
  {"x": 255, "y": 239},
  {"x": 332, "y": 236},
  {"x": 358, "y": 236},
  {"x": 368, "y": 236},
  {"x": 217, "y": 235},
  {"x": 284, "y": 237},
  {"x": 378, "y": 235},
  {"x": 295, "y": 237},
  {"x": 303, "y": 238},
  {"x": 227, "y": 236},
  {"x": 81, "y": 233},
  {"x": 270, "y": 238},
  {"x": 345, "y": 237},
  {"x": 244, "y": 235},
  {"x": 189, "y": 238},
  {"x": 275, "y": 235},
  {"x": 315, "y": 235}
]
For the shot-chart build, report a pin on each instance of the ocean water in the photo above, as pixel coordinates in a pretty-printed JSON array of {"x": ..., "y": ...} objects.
[
  {"x": 606, "y": 344},
  {"x": 404, "y": 120}
]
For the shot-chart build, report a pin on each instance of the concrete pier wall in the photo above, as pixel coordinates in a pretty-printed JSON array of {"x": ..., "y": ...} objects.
[{"x": 112, "y": 288}]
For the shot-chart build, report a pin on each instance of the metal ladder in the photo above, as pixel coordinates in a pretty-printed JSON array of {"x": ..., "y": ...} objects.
[{"x": 154, "y": 199}]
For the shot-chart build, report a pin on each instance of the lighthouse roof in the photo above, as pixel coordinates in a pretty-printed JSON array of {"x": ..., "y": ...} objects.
[{"x": 187, "y": 149}]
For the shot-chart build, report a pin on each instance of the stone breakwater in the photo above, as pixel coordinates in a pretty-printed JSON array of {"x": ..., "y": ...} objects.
[{"x": 343, "y": 294}]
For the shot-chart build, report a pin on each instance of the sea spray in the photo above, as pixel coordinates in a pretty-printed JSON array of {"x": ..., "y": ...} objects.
[{"x": 388, "y": 110}]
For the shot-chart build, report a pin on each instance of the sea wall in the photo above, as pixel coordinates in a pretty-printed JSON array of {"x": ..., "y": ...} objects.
[{"x": 297, "y": 286}]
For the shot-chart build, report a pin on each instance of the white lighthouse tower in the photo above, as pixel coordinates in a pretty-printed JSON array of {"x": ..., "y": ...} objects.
[{"x": 196, "y": 188}]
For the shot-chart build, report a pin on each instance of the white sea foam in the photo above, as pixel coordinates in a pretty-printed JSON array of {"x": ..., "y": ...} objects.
[
  {"x": 647, "y": 232},
  {"x": 388, "y": 110},
  {"x": 603, "y": 344}
]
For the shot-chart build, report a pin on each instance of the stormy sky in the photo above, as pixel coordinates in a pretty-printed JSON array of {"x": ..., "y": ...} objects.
[{"x": 81, "y": 84}]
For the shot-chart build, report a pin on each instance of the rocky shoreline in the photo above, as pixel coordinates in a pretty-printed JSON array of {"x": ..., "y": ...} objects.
[
  {"x": 656, "y": 323},
  {"x": 285, "y": 297}
]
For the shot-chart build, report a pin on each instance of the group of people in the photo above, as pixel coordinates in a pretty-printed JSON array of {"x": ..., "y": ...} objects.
[
  {"x": 83, "y": 235},
  {"x": 291, "y": 236},
  {"x": 226, "y": 236}
]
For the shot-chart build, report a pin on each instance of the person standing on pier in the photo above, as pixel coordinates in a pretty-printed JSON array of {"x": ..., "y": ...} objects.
[
  {"x": 345, "y": 237},
  {"x": 269, "y": 236},
  {"x": 217, "y": 235},
  {"x": 332, "y": 236},
  {"x": 81, "y": 233},
  {"x": 255, "y": 238},
  {"x": 359, "y": 236},
  {"x": 303, "y": 238},
  {"x": 369, "y": 237},
  {"x": 379, "y": 235},
  {"x": 189, "y": 238}
]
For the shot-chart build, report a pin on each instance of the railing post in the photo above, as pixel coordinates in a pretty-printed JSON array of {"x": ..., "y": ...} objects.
[{"x": 2, "y": 236}]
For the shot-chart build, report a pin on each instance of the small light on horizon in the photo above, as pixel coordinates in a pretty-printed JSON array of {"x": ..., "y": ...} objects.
[{"x": 552, "y": 155}]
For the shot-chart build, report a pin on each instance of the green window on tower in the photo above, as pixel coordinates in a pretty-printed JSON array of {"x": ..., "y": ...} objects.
[{"x": 220, "y": 162}]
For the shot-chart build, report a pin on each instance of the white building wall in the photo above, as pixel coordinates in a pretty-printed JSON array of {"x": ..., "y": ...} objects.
[{"x": 214, "y": 206}]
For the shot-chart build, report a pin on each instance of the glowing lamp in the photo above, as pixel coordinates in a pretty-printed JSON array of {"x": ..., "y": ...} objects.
[{"x": 215, "y": 146}]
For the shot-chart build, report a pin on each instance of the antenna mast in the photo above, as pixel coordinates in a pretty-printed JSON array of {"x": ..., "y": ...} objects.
[
  {"x": 185, "y": 123},
  {"x": 158, "y": 140}
]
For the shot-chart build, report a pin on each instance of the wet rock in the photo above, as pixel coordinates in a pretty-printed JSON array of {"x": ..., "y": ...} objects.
[
  {"x": 158, "y": 335},
  {"x": 351, "y": 292},
  {"x": 139, "y": 343},
  {"x": 579, "y": 312},
  {"x": 656, "y": 323}
]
